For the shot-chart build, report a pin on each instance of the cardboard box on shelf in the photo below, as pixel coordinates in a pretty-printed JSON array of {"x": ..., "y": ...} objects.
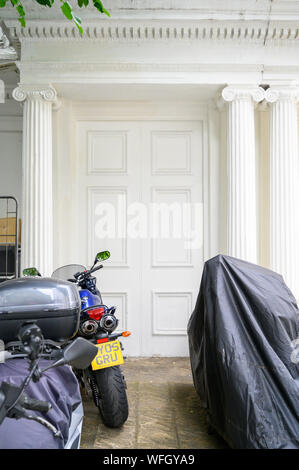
[{"x": 8, "y": 231}]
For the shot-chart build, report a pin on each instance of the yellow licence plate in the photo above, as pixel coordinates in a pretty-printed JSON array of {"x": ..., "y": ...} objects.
[{"x": 109, "y": 354}]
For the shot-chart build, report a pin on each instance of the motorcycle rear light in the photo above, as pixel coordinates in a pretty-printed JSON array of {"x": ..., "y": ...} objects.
[
  {"x": 103, "y": 340},
  {"x": 96, "y": 313}
]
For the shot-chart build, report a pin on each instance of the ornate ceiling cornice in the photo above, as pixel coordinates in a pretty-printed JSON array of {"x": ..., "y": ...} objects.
[{"x": 159, "y": 30}]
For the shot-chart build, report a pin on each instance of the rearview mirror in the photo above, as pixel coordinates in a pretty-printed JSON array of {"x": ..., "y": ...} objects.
[
  {"x": 78, "y": 354},
  {"x": 30, "y": 272},
  {"x": 103, "y": 255}
]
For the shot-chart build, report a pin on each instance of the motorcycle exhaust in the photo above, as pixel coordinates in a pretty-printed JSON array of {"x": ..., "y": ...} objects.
[
  {"x": 89, "y": 327},
  {"x": 108, "y": 322}
]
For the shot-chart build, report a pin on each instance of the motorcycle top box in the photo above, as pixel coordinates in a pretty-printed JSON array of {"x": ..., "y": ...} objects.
[{"x": 53, "y": 304}]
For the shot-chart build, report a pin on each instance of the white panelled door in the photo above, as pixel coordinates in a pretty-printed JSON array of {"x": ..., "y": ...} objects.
[{"x": 141, "y": 197}]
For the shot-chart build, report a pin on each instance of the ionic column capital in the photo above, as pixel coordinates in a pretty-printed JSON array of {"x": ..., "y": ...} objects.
[
  {"x": 35, "y": 92},
  {"x": 243, "y": 92},
  {"x": 282, "y": 93}
]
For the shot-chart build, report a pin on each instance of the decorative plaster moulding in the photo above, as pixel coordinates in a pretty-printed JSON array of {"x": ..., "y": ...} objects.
[
  {"x": 7, "y": 52},
  {"x": 158, "y": 30},
  {"x": 282, "y": 93},
  {"x": 23, "y": 92},
  {"x": 232, "y": 93},
  {"x": 36, "y": 92},
  {"x": 96, "y": 73},
  {"x": 137, "y": 67}
]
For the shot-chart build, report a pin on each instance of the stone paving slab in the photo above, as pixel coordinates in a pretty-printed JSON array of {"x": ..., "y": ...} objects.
[{"x": 164, "y": 410}]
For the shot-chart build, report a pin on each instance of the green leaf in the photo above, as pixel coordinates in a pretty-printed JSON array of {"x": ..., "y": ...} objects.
[
  {"x": 47, "y": 3},
  {"x": 67, "y": 10},
  {"x": 77, "y": 22},
  {"x": 20, "y": 10},
  {"x": 22, "y": 21},
  {"x": 77, "y": 19},
  {"x": 99, "y": 6}
]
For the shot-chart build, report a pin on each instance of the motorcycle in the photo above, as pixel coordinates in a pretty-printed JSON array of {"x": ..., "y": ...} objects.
[
  {"x": 17, "y": 405},
  {"x": 103, "y": 379}
]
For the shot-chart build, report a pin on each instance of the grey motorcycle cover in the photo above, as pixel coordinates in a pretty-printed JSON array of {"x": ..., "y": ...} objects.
[
  {"x": 59, "y": 387},
  {"x": 242, "y": 340}
]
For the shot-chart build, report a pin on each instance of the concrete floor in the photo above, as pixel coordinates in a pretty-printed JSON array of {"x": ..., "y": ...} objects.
[{"x": 165, "y": 411}]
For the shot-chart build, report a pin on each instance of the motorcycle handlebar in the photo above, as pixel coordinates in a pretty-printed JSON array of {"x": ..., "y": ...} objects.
[
  {"x": 96, "y": 268},
  {"x": 35, "y": 405},
  {"x": 80, "y": 276}
]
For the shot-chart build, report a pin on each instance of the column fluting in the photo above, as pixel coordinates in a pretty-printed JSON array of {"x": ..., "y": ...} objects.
[
  {"x": 284, "y": 182},
  {"x": 241, "y": 171},
  {"x": 37, "y": 212}
]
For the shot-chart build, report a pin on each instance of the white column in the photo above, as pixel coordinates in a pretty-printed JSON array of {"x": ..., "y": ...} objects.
[
  {"x": 284, "y": 182},
  {"x": 241, "y": 171},
  {"x": 37, "y": 220}
]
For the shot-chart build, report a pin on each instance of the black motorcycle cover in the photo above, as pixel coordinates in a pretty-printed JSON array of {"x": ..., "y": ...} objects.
[
  {"x": 242, "y": 340},
  {"x": 59, "y": 387}
]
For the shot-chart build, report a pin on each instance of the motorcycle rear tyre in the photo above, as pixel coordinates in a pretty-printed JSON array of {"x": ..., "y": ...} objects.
[{"x": 112, "y": 401}]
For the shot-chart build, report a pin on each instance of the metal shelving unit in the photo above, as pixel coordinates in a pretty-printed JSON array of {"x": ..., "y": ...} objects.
[{"x": 9, "y": 247}]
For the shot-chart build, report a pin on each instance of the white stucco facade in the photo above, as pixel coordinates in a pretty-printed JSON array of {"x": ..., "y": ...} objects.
[{"x": 162, "y": 102}]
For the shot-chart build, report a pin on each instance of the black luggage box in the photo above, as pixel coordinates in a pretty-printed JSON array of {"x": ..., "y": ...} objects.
[{"x": 53, "y": 304}]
